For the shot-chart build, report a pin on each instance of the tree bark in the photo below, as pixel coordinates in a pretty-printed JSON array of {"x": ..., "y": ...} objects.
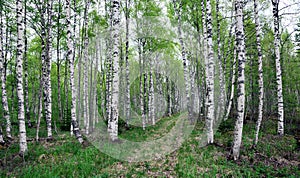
[
  {"x": 59, "y": 104},
  {"x": 240, "y": 40},
  {"x": 20, "y": 92},
  {"x": 27, "y": 112},
  {"x": 184, "y": 60},
  {"x": 127, "y": 90},
  {"x": 47, "y": 73},
  {"x": 280, "y": 128},
  {"x": 113, "y": 120},
  {"x": 221, "y": 103},
  {"x": 72, "y": 82},
  {"x": 210, "y": 77},
  {"x": 260, "y": 72},
  {"x": 85, "y": 75},
  {"x": 3, "y": 66}
]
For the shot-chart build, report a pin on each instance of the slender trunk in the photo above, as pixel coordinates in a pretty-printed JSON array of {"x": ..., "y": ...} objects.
[
  {"x": 90, "y": 114},
  {"x": 141, "y": 85},
  {"x": 85, "y": 75},
  {"x": 72, "y": 82},
  {"x": 79, "y": 101},
  {"x": 127, "y": 84},
  {"x": 151, "y": 95},
  {"x": 95, "y": 106},
  {"x": 205, "y": 53},
  {"x": 109, "y": 62},
  {"x": 240, "y": 40},
  {"x": 233, "y": 73},
  {"x": 232, "y": 84},
  {"x": 59, "y": 104},
  {"x": 185, "y": 62},
  {"x": 66, "y": 90},
  {"x": 113, "y": 120},
  {"x": 210, "y": 77},
  {"x": 40, "y": 109},
  {"x": 145, "y": 76},
  {"x": 47, "y": 74},
  {"x": 20, "y": 92},
  {"x": 260, "y": 72},
  {"x": 3, "y": 66},
  {"x": 192, "y": 77},
  {"x": 221, "y": 104},
  {"x": 278, "y": 69},
  {"x": 27, "y": 112}
]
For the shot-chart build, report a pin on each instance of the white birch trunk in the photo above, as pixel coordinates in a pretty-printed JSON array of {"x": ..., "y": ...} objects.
[
  {"x": 221, "y": 103},
  {"x": 232, "y": 84},
  {"x": 127, "y": 89},
  {"x": 85, "y": 75},
  {"x": 184, "y": 61},
  {"x": 260, "y": 72},
  {"x": 205, "y": 52},
  {"x": 40, "y": 113},
  {"x": 113, "y": 120},
  {"x": 27, "y": 112},
  {"x": 47, "y": 86},
  {"x": 280, "y": 128},
  {"x": 20, "y": 92},
  {"x": 72, "y": 82},
  {"x": 240, "y": 40},
  {"x": 151, "y": 95},
  {"x": 6, "y": 115},
  {"x": 210, "y": 77}
]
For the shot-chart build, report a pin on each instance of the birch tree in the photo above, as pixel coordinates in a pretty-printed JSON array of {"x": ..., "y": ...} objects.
[
  {"x": 221, "y": 105},
  {"x": 280, "y": 128},
  {"x": 85, "y": 76},
  {"x": 60, "y": 114},
  {"x": 240, "y": 40},
  {"x": 260, "y": 72},
  {"x": 27, "y": 115},
  {"x": 185, "y": 61},
  {"x": 47, "y": 72},
  {"x": 233, "y": 78},
  {"x": 70, "y": 58},
  {"x": 210, "y": 77},
  {"x": 113, "y": 120},
  {"x": 127, "y": 84},
  {"x": 20, "y": 92},
  {"x": 3, "y": 64}
]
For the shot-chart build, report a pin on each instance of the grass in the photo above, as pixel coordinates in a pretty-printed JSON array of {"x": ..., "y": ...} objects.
[{"x": 64, "y": 157}]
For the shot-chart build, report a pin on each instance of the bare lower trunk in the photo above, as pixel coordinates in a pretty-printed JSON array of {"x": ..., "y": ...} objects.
[
  {"x": 27, "y": 112},
  {"x": 260, "y": 72},
  {"x": 113, "y": 120},
  {"x": 20, "y": 92},
  {"x": 240, "y": 40},
  {"x": 127, "y": 82},
  {"x": 185, "y": 61},
  {"x": 280, "y": 129},
  {"x": 232, "y": 85},
  {"x": 47, "y": 73},
  {"x": 3, "y": 67},
  {"x": 59, "y": 104},
  {"x": 151, "y": 96},
  {"x": 210, "y": 77},
  {"x": 40, "y": 113},
  {"x": 72, "y": 82},
  {"x": 221, "y": 103},
  {"x": 85, "y": 75}
]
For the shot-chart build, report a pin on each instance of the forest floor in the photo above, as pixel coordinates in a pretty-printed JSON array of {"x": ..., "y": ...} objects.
[{"x": 274, "y": 156}]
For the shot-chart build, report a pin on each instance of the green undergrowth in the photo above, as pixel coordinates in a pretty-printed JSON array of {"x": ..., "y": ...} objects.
[{"x": 274, "y": 156}]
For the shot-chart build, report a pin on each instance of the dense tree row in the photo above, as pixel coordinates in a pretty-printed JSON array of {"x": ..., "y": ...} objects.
[{"x": 142, "y": 60}]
